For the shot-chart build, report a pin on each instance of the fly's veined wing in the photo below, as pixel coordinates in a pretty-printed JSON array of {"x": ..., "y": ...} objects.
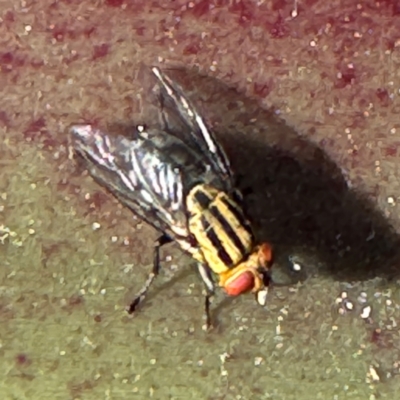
[
  {"x": 181, "y": 119},
  {"x": 149, "y": 173}
]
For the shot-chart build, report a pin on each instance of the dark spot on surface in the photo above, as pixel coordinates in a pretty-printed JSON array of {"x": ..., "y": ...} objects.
[
  {"x": 58, "y": 33},
  {"x": 22, "y": 359},
  {"x": 75, "y": 301},
  {"x": 78, "y": 388},
  {"x": 9, "y": 16},
  {"x": 391, "y": 151},
  {"x": 8, "y": 61},
  {"x": 97, "y": 318},
  {"x": 140, "y": 30},
  {"x": 279, "y": 29},
  {"x": 4, "y": 120},
  {"x": 201, "y": 8},
  {"x": 244, "y": 10},
  {"x": 100, "y": 51},
  {"x": 191, "y": 48},
  {"x": 98, "y": 199},
  {"x": 261, "y": 89},
  {"x": 114, "y": 3},
  {"x": 87, "y": 32},
  {"x": 35, "y": 129},
  {"x": 383, "y": 95},
  {"x": 347, "y": 77}
]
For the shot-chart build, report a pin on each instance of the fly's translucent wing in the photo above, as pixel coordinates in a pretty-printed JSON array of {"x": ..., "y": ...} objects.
[
  {"x": 149, "y": 173},
  {"x": 177, "y": 108}
]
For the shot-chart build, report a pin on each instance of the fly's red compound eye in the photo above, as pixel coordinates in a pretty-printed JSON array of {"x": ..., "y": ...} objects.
[{"x": 239, "y": 284}]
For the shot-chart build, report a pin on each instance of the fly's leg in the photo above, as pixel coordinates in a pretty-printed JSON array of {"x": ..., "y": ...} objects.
[
  {"x": 164, "y": 239},
  {"x": 205, "y": 274}
]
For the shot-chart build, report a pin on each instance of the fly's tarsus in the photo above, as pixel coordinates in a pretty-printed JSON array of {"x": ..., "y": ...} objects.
[
  {"x": 207, "y": 303},
  {"x": 161, "y": 241}
]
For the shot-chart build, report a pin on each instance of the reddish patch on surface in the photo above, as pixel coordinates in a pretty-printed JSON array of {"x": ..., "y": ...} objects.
[
  {"x": 8, "y": 61},
  {"x": 279, "y": 28},
  {"x": 201, "y": 8},
  {"x": 396, "y": 8},
  {"x": 9, "y": 17},
  {"x": 100, "y": 51},
  {"x": 36, "y": 63},
  {"x": 114, "y": 3},
  {"x": 97, "y": 200},
  {"x": 279, "y": 5},
  {"x": 383, "y": 95},
  {"x": 61, "y": 32},
  {"x": 37, "y": 131},
  {"x": 192, "y": 48},
  {"x": 4, "y": 120},
  {"x": 244, "y": 10},
  {"x": 87, "y": 32},
  {"x": 140, "y": 30},
  {"x": 347, "y": 77},
  {"x": 382, "y": 338},
  {"x": 22, "y": 360},
  {"x": 58, "y": 33},
  {"x": 261, "y": 89},
  {"x": 391, "y": 151},
  {"x": 70, "y": 59}
]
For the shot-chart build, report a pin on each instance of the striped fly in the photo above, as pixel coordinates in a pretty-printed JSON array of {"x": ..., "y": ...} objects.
[{"x": 177, "y": 178}]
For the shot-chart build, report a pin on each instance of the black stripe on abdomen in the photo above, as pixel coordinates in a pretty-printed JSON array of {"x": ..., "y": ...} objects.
[
  {"x": 214, "y": 240},
  {"x": 238, "y": 215},
  {"x": 202, "y": 198},
  {"x": 228, "y": 229}
]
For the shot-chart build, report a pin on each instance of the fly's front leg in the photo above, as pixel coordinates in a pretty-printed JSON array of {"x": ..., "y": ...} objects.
[
  {"x": 164, "y": 239},
  {"x": 205, "y": 274}
]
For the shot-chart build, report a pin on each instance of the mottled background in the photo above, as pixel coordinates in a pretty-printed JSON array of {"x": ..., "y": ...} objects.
[{"x": 305, "y": 98}]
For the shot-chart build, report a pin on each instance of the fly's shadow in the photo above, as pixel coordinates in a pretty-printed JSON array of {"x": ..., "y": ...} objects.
[{"x": 299, "y": 201}]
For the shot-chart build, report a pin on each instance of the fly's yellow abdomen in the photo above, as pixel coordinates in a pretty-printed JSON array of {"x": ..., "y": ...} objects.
[{"x": 220, "y": 227}]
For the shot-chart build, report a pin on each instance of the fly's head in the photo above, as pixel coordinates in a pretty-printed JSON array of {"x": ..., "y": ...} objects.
[{"x": 252, "y": 275}]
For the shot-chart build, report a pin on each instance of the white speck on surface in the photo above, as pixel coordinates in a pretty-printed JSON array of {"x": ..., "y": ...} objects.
[
  {"x": 391, "y": 200},
  {"x": 95, "y": 226},
  {"x": 258, "y": 361},
  {"x": 349, "y": 305},
  {"x": 366, "y": 312},
  {"x": 373, "y": 374}
]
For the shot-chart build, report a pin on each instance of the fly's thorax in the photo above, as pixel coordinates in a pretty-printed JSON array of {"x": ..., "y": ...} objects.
[{"x": 220, "y": 228}]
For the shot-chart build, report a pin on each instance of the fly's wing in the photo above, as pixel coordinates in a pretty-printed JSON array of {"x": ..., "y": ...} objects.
[
  {"x": 142, "y": 173},
  {"x": 181, "y": 118}
]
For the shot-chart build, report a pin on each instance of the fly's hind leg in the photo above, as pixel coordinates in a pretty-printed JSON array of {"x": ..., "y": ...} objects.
[
  {"x": 164, "y": 239},
  {"x": 205, "y": 274}
]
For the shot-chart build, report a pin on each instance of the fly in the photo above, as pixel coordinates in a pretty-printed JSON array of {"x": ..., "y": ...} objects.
[{"x": 178, "y": 179}]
